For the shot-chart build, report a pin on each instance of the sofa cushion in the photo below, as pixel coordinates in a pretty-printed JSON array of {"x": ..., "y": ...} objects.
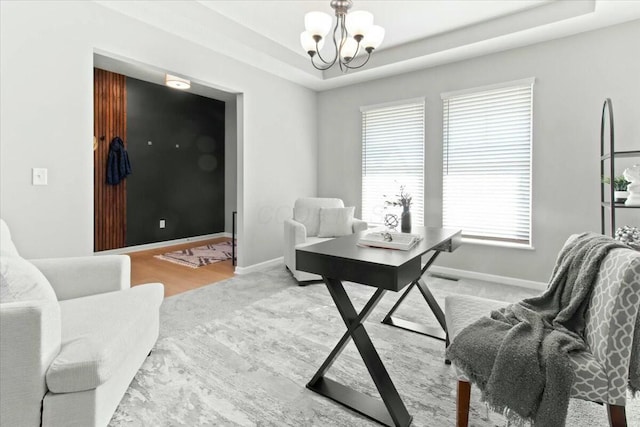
[
  {"x": 97, "y": 332},
  {"x": 22, "y": 281},
  {"x": 307, "y": 212},
  {"x": 336, "y": 222},
  {"x": 7, "y": 248}
]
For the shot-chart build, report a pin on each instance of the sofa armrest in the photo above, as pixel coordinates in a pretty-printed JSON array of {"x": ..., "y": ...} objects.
[
  {"x": 359, "y": 225},
  {"x": 294, "y": 234},
  {"x": 29, "y": 340},
  {"x": 82, "y": 276}
]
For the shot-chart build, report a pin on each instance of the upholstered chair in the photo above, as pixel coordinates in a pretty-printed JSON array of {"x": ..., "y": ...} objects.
[
  {"x": 316, "y": 219},
  {"x": 612, "y": 319},
  {"x": 73, "y": 334}
]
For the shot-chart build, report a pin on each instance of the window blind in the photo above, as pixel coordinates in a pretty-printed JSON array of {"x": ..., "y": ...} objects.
[
  {"x": 487, "y": 162},
  {"x": 392, "y": 155}
]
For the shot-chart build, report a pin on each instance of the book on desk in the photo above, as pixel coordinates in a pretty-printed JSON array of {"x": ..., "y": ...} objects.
[{"x": 390, "y": 240}]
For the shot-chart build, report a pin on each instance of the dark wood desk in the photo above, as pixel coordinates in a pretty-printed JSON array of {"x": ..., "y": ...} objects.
[{"x": 385, "y": 269}]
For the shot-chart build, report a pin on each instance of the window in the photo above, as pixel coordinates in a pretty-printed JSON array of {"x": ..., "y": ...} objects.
[
  {"x": 392, "y": 155},
  {"x": 487, "y": 162}
]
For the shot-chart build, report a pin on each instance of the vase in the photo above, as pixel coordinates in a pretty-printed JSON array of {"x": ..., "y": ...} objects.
[
  {"x": 620, "y": 196},
  {"x": 405, "y": 221},
  {"x": 634, "y": 194}
]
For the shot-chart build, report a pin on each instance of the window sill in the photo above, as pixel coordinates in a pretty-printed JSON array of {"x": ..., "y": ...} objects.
[{"x": 509, "y": 245}]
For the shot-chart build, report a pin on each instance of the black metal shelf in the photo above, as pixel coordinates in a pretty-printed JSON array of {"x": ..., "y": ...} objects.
[
  {"x": 607, "y": 113},
  {"x": 621, "y": 154},
  {"x": 619, "y": 205}
]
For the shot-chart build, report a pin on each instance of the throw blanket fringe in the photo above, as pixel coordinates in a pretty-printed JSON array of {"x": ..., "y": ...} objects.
[
  {"x": 519, "y": 356},
  {"x": 514, "y": 419}
]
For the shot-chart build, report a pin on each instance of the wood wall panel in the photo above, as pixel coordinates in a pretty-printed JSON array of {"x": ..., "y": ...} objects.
[{"x": 109, "y": 121}]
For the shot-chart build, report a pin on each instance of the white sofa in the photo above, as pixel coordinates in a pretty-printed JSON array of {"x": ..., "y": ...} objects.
[
  {"x": 302, "y": 230},
  {"x": 72, "y": 336}
]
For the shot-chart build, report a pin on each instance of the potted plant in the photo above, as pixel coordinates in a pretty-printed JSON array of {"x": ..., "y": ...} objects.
[
  {"x": 403, "y": 199},
  {"x": 620, "y": 185}
]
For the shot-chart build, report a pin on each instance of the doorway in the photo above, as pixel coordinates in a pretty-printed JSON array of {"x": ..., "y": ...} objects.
[{"x": 115, "y": 218}]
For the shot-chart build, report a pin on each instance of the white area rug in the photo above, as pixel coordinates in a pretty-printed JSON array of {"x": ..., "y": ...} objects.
[{"x": 240, "y": 352}]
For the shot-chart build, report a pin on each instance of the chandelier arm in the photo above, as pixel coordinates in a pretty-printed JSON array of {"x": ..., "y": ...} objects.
[
  {"x": 319, "y": 55},
  {"x": 347, "y": 62},
  {"x": 358, "y": 66},
  {"x": 322, "y": 67},
  {"x": 343, "y": 40},
  {"x": 330, "y": 63}
]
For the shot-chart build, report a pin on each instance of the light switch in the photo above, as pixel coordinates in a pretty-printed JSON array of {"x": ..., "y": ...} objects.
[
  {"x": 162, "y": 223},
  {"x": 39, "y": 176}
]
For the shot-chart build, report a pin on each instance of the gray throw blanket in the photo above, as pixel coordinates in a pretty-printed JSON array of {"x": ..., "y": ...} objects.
[{"x": 518, "y": 357}]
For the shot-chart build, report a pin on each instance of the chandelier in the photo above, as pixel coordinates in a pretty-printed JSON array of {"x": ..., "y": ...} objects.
[{"x": 353, "y": 33}]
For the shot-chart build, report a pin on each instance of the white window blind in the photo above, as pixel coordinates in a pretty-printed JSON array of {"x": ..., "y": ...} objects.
[
  {"x": 487, "y": 162},
  {"x": 392, "y": 155}
]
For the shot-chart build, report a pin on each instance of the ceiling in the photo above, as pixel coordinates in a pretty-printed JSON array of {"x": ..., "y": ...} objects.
[
  {"x": 419, "y": 34},
  {"x": 399, "y": 18}
]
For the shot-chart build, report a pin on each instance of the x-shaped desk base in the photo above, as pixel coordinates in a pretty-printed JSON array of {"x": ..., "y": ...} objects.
[
  {"x": 438, "y": 333},
  {"x": 391, "y": 411}
]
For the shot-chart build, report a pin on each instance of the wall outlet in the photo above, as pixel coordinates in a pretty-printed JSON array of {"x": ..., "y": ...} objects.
[
  {"x": 39, "y": 176},
  {"x": 162, "y": 223}
]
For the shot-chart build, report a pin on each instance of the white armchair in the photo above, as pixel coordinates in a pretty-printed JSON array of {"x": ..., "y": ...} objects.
[
  {"x": 72, "y": 336},
  {"x": 303, "y": 228}
]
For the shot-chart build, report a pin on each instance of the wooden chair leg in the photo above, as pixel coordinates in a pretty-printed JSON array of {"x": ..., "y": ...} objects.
[
  {"x": 462, "y": 404},
  {"x": 617, "y": 416}
]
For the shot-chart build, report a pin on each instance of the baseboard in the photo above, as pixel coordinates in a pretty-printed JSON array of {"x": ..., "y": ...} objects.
[
  {"x": 504, "y": 280},
  {"x": 155, "y": 245},
  {"x": 445, "y": 271},
  {"x": 260, "y": 266}
]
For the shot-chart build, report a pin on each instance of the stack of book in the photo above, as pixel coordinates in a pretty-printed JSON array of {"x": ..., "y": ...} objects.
[{"x": 390, "y": 240}]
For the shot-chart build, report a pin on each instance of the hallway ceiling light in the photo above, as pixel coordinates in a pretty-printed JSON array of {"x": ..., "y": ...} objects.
[
  {"x": 353, "y": 33},
  {"x": 176, "y": 82}
]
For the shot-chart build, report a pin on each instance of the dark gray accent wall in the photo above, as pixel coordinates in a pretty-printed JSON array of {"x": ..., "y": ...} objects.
[{"x": 175, "y": 142}]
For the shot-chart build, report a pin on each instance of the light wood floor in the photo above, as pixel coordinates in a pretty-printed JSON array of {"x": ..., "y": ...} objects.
[{"x": 177, "y": 278}]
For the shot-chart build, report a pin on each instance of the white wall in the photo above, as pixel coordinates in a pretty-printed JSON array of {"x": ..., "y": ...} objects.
[
  {"x": 46, "y": 116},
  {"x": 573, "y": 77}
]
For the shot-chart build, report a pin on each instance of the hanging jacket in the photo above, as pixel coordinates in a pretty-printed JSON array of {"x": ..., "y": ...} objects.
[{"x": 118, "y": 166}]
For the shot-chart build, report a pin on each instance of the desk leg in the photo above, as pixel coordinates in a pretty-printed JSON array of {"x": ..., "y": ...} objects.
[
  {"x": 438, "y": 333},
  {"x": 337, "y": 350},
  {"x": 391, "y": 411}
]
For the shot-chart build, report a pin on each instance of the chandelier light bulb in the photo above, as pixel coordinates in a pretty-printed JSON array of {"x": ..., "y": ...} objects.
[
  {"x": 349, "y": 48},
  {"x": 308, "y": 43},
  {"x": 358, "y": 23},
  {"x": 374, "y": 37},
  {"x": 317, "y": 23}
]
